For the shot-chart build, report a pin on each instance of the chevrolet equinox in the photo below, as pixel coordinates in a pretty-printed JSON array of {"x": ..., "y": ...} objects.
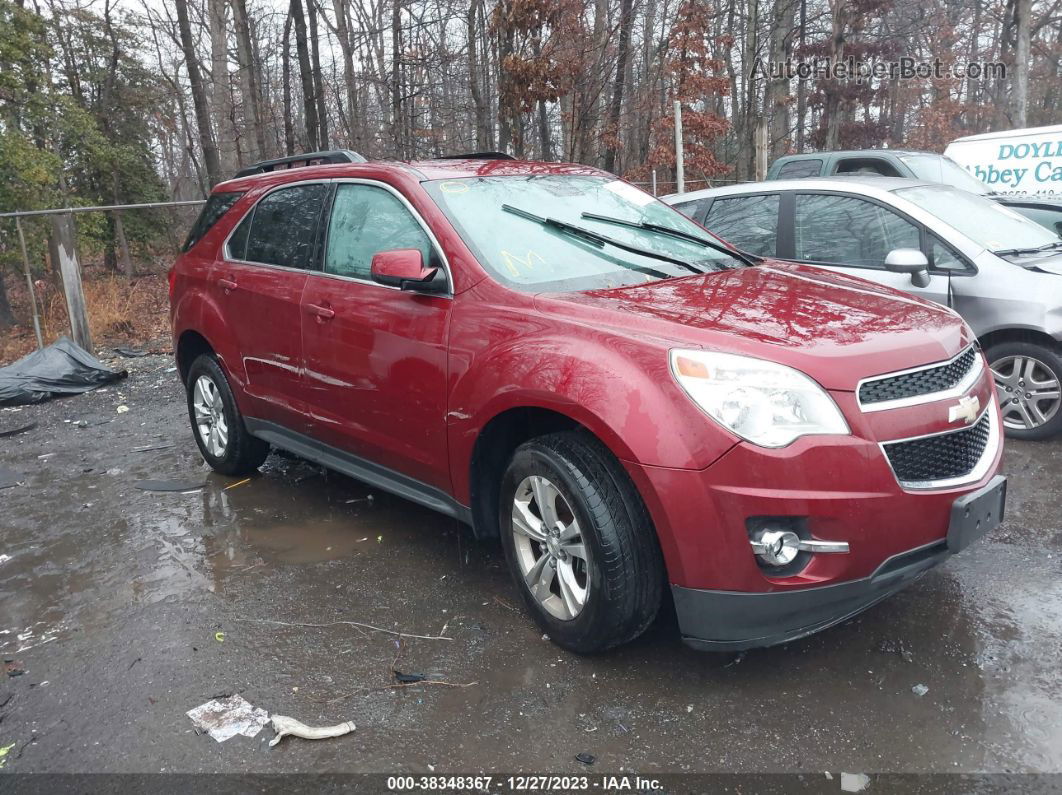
[{"x": 554, "y": 357}]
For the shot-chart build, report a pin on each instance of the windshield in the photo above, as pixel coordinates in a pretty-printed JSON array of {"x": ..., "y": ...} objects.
[
  {"x": 984, "y": 221},
  {"x": 497, "y": 216},
  {"x": 937, "y": 168}
]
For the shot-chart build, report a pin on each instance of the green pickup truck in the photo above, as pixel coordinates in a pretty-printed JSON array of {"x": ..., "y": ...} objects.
[{"x": 926, "y": 166}]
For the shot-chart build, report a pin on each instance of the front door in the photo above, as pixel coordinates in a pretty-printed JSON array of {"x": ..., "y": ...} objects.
[
  {"x": 854, "y": 235},
  {"x": 375, "y": 356},
  {"x": 260, "y": 281}
]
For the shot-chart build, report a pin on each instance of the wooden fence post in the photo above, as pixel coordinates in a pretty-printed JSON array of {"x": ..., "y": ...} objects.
[
  {"x": 29, "y": 284},
  {"x": 65, "y": 245}
]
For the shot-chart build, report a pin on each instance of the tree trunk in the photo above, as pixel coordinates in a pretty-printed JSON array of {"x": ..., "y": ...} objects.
[
  {"x": 802, "y": 92},
  {"x": 318, "y": 84},
  {"x": 622, "y": 54},
  {"x": 778, "y": 89},
  {"x": 309, "y": 101},
  {"x": 220, "y": 91},
  {"x": 832, "y": 107},
  {"x": 397, "y": 117},
  {"x": 479, "y": 104},
  {"x": 1018, "y": 99},
  {"x": 252, "y": 112},
  {"x": 199, "y": 99},
  {"x": 349, "y": 79},
  {"x": 289, "y": 129},
  {"x": 7, "y": 317}
]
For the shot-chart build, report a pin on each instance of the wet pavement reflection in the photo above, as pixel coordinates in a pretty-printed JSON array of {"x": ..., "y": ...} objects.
[{"x": 128, "y": 608}]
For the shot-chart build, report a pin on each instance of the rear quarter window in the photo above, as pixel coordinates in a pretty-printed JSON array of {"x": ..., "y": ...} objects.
[
  {"x": 216, "y": 206},
  {"x": 798, "y": 169}
]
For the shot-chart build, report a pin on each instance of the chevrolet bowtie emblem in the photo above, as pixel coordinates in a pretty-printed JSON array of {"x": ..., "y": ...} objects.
[{"x": 967, "y": 409}]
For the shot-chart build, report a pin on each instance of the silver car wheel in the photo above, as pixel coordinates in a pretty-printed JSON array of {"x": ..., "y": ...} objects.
[
  {"x": 210, "y": 421},
  {"x": 1028, "y": 391},
  {"x": 550, "y": 549}
]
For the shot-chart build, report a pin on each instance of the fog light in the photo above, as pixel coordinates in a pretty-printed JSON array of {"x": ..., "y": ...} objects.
[{"x": 776, "y": 547}]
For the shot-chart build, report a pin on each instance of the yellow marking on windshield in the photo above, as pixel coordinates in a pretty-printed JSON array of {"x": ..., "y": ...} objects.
[
  {"x": 453, "y": 187},
  {"x": 514, "y": 262}
]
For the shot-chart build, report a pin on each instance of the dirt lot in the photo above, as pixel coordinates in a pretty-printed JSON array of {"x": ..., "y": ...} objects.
[{"x": 112, "y": 598}]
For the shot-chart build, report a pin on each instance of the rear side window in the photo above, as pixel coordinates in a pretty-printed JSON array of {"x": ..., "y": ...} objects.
[
  {"x": 866, "y": 165},
  {"x": 798, "y": 169},
  {"x": 844, "y": 230},
  {"x": 216, "y": 206},
  {"x": 749, "y": 222},
  {"x": 282, "y": 227},
  {"x": 690, "y": 209}
]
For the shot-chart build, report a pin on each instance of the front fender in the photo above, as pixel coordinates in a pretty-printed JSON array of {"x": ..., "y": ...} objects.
[{"x": 619, "y": 388}]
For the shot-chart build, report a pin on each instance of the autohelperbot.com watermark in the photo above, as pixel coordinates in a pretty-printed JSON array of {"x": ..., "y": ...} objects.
[{"x": 859, "y": 70}]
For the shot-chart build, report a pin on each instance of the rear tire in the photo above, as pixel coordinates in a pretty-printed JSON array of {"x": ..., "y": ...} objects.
[
  {"x": 1027, "y": 375},
  {"x": 594, "y": 579},
  {"x": 217, "y": 424}
]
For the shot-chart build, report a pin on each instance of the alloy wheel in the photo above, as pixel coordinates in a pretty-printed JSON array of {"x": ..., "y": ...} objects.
[
  {"x": 550, "y": 548},
  {"x": 210, "y": 420},
  {"x": 1028, "y": 391}
]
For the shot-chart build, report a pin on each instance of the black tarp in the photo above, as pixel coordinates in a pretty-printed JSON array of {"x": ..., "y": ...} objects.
[{"x": 63, "y": 368}]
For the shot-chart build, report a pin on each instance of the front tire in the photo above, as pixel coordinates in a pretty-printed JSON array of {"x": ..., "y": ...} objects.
[
  {"x": 1029, "y": 387},
  {"x": 217, "y": 424},
  {"x": 579, "y": 543}
]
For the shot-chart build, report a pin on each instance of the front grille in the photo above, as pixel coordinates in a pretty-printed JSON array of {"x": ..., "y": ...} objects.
[
  {"x": 919, "y": 382},
  {"x": 945, "y": 456}
]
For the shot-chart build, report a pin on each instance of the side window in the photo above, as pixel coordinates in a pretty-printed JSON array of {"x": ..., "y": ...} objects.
[
  {"x": 690, "y": 209},
  {"x": 798, "y": 169},
  {"x": 216, "y": 206},
  {"x": 365, "y": 220},
  {"x": 866, "y": 165},
  {"x": 237, "y": 248},
  {"x": 283, "y": 226},
  {"x": 943, "y": 258},
  {"x": 749, "y": 222},
  {"x": 843, "y": 230}
]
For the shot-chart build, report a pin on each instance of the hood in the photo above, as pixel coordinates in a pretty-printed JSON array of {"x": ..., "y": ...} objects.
[{"x": 837, "y": 329}]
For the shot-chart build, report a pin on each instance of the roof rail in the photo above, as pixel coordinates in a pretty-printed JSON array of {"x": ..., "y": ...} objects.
[
  {"x": 477, "y": 156},
  {"x": 304, "y": 159}
]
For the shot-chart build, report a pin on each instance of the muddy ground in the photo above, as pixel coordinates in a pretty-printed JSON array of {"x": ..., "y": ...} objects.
[{"x": 112, "y": 598}]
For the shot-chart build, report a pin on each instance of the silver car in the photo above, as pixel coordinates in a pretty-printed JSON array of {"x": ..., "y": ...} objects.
[{"x": 996, "y": 268}]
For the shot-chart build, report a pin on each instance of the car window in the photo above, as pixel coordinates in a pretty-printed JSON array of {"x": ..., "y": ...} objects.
[
  {"x": 281, "y": 230},
  {"x": 366, "y": 220},
  {"x": 866, "y": 165},
  {"x": 691, "y": 209},
  {"x": 943, "y": 258},
  {"x": 216, "y": 206},
  {"x": 798, "y": 169},
  {"x": 748, "y": 222},
  {"x": 1048, "y": 219},
  {"x": 844, "y": 230}
]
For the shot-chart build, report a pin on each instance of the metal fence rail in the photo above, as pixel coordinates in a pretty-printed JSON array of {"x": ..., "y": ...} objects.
[{"x": 65, "y": 236}]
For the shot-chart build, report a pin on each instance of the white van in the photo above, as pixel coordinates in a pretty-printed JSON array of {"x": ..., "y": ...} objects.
[{"x": 1020, "y": 162}]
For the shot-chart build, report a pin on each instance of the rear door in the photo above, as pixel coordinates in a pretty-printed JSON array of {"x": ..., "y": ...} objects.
[
  {"x": 853, "y": 235},
  {"x": 748, "y": 222},
  {"x": 375, "y": 355},
  {"x": 259, "y": 283}
]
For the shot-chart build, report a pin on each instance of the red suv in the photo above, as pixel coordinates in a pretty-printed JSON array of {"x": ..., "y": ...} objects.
[{"x": 552, "y": 356}]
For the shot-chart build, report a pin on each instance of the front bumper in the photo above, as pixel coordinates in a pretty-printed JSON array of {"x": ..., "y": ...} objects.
[{"x": 730, "y": 621}]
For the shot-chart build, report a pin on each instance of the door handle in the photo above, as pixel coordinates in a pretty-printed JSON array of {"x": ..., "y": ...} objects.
[
  {"x": 228, "y": 285},
  {"x": 321, "y": 312}
]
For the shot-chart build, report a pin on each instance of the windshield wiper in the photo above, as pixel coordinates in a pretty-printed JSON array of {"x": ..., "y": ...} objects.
[
  {"x": 600, "y": 240},
  {"x": 1007, "y": 251},
  {"x": 667, "y": 230}
]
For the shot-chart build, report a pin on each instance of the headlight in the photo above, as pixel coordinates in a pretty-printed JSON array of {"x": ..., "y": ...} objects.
[{"x": 766, "y": 403}]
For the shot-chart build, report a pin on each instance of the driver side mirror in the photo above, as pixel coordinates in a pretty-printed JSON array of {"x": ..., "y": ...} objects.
[
  {"x": 404, "y": 268},
  {"x": 909, "y": 260}
]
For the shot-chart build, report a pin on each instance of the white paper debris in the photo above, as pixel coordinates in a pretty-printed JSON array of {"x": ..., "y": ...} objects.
[
  {"x": 4, "y": 558},
  {"x": 919, "y": 690},
  {"x": 223, "y": 718},
  {"x": 854, "y": 782}
]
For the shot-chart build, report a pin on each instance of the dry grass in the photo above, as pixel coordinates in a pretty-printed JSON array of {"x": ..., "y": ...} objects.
[{"x": 134, "y": 313}]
